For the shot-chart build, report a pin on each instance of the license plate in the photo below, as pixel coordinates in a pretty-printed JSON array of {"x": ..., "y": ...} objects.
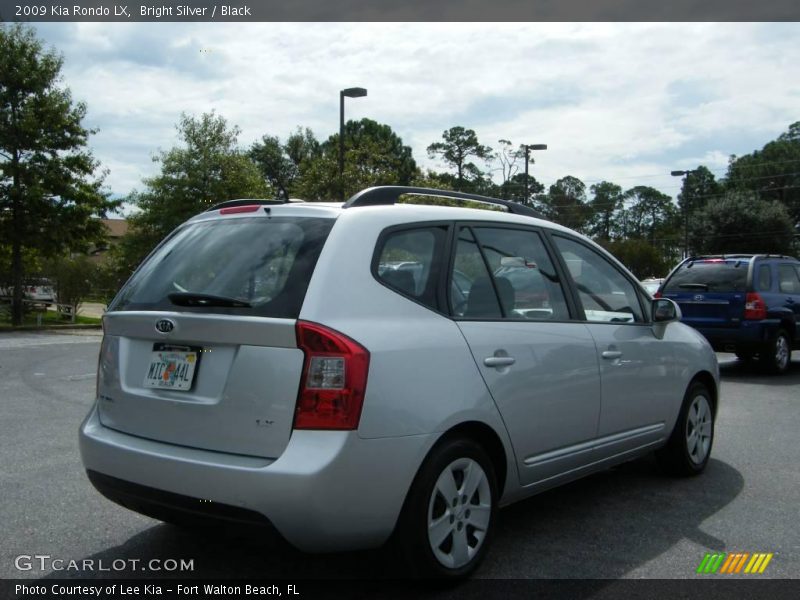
[{"x": 171, "y": 369}]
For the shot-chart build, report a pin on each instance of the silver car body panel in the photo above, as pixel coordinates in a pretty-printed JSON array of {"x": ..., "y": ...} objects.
[
  {"x": 243, "y": 395},
  {"x": 560, "y": 411},
  {"x": 314, "y": 494},
  {"x": 549, "y": 397}
]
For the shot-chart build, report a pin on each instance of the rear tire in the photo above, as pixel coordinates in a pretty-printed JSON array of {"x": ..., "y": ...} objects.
[
  {"x": 447, "y": 520},
  {"x": 777, "y": 354},
  {"x": 689, "y": 446}
]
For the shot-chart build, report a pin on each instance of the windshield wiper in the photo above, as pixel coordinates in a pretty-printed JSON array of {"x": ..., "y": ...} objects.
[
  {"x": 195, "y": 299},
  {"x": 694, "y": 286}
]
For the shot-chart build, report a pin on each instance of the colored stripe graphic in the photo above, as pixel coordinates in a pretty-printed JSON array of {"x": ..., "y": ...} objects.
[
  {"x": 711, "y": 563},
  {"x": 734, "y": 563}
]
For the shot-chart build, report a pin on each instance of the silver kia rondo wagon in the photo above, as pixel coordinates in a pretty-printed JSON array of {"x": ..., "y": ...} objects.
[{"x": 384, "y": 370}]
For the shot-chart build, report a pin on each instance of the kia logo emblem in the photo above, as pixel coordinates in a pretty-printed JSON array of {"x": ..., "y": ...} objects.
[
  {"x": 699, "y": 297},
  {"x": 164, "y": 325}
]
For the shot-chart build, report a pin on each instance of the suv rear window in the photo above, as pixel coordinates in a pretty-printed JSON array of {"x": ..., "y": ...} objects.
[
  {"x": 714, "y": 275},
  {"x": 266, "y": 263}
]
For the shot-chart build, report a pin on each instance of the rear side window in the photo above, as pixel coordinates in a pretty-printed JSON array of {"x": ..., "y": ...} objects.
[
  {"x": 788, "y": 279},
  {"x": 263, "y": 262},
  {"x": 409, "y": 261},
  {"x": 715, "y": 275}
]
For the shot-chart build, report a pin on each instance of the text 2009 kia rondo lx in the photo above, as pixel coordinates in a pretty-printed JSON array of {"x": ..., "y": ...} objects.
[{"x": 374, "y": 370}]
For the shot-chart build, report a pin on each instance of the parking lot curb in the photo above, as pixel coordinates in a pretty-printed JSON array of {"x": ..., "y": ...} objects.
[{"x": 52, "y": 327}]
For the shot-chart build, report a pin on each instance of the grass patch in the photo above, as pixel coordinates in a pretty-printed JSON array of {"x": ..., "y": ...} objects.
[{"x": 49, "y": 317}]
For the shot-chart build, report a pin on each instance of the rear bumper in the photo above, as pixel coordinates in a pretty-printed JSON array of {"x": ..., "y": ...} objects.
[
  {"x": 328, "y": 491},
  {"x": 749, "y": 336}
]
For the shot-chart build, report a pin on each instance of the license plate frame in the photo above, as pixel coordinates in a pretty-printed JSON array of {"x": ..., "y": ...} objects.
[{"x": 172, "y": 367}]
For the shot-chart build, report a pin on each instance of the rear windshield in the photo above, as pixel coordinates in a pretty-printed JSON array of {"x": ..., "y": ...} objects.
[
  {"x": 709, "y": 276},
  {"x": 264, "y": 262}
]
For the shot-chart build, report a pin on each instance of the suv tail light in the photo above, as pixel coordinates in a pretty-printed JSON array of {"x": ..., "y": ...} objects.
[
  {"x": 657, "y": 294},
  {"x": 754, "y": 307},
  {"x": 334, "y": 379}
]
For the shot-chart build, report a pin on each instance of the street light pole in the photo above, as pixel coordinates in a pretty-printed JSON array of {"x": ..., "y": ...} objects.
[
  {"x": 685, "y": 211},
  {"x": 528, "y": 148},
  {"x": 349, "y": 93}
]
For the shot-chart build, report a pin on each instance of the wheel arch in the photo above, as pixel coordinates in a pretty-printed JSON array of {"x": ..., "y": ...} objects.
[
  {"x": 489, "y": 440},
  {"x": 707, "y": 379}
]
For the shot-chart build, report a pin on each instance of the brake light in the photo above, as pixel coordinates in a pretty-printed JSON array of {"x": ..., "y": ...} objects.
[
  {"x": 754, "y": 307},
  {"x": 334, "y": 379},
  {"x": 232, "y": 210},
  {"x": 657, "y": 294}
]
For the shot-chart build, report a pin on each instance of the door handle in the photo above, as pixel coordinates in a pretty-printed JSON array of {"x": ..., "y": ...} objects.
[
  {"x": 611, "y": 354},
  {"x": 499, "y": 361}
]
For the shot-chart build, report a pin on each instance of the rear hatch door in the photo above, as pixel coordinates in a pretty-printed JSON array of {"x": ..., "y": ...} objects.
[
  {"x": 200, "y": 347},
  {"x": 711, "y": 292}
]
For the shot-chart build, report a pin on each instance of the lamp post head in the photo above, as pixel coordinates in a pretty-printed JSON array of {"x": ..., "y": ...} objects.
[
  {"x": 536, "y": 146},
  {"x": 355, "y": 92}
]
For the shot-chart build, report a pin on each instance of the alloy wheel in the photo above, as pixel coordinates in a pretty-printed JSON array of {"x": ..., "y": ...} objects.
[
  {"x": 698, "y": 429},
  {"x": 459, "y": 513}
]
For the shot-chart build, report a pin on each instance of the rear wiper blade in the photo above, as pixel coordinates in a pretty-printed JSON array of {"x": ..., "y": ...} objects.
[
  {"x": 194, "y": 299},
  {"x": 694, "y": 286}
]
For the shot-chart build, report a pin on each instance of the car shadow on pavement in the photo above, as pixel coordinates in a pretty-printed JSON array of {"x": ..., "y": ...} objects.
[
  {"x": 601, "y": 527},
  {"x": 741, "y": 371},
  {"x": 611, "y": 523}
]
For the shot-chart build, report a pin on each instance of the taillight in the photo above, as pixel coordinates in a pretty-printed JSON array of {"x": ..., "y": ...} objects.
[
  {"x": 657, "y": 294},
  {"x": 334, "y": 379},
  {"x": 754, "y": 307}
]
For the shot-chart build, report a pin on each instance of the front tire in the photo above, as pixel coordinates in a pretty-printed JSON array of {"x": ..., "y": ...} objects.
[
  {"x": 777, "y": 354},
  {"x": 689, "y": 446},
  {"x": 447, "y": 521}
]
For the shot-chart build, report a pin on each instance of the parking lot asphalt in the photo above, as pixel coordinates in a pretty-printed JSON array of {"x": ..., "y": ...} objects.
[{"x": 629, "y": 522}]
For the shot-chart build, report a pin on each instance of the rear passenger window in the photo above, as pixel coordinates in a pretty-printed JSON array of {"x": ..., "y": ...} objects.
[
  {"x": 764, "y": 278},
  {"x": 409, "y": 262},
  {"x": 508, "y": 274},
  {"x": 788, "y": 279}
]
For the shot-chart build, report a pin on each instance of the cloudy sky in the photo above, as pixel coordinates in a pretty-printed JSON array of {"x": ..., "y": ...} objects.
[{"x": 621, "y": 102}]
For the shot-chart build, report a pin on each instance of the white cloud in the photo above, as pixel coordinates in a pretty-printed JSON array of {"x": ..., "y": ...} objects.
[{"x": 623, "y": 102}]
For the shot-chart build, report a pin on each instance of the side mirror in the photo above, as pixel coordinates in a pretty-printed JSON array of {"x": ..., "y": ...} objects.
[{"x": 665, "y": 311}]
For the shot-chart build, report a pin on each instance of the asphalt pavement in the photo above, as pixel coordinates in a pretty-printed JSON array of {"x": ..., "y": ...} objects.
[{"x": 629, "y": 522}]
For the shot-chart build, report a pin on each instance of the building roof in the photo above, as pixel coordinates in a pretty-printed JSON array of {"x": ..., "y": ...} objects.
[{"x": 116, "y": 227}]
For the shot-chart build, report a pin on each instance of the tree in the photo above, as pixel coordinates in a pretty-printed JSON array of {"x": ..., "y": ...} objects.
[
  {"x": 207, "y": 169},
  {"x": 641, "y": 257},
  {"x": 508, "y": 157},
  {"x": 566, "y": 203},
  {"x": 605, "y": 206},
  {"x": 374, "y": 155},
  {"x": 73, "y": 279},
  {"x": 772, "y": 173},
  {"x": 741, "y": 222},
  {"x": 651, "y": 212},
  {"x": 458, "y": 146},
  {"x": 699, "y": 187},
  {"x": 49, "y": 193},
  {"x": 514, "y": 188},
  {"x": 280, "y": 164}
]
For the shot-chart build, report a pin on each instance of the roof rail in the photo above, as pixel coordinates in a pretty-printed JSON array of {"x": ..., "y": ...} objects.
[
  {"x": 389, "y": 194},
  {"x": 246, "y": 202}
]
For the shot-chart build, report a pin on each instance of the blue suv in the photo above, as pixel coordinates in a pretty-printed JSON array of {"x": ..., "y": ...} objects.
[{"x": 743, "y": 303}]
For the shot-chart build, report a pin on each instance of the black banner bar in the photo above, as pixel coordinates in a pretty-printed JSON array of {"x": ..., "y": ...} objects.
[
  {"x": 728, "y": 588},
  {"x": 405, "y": 10}
]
